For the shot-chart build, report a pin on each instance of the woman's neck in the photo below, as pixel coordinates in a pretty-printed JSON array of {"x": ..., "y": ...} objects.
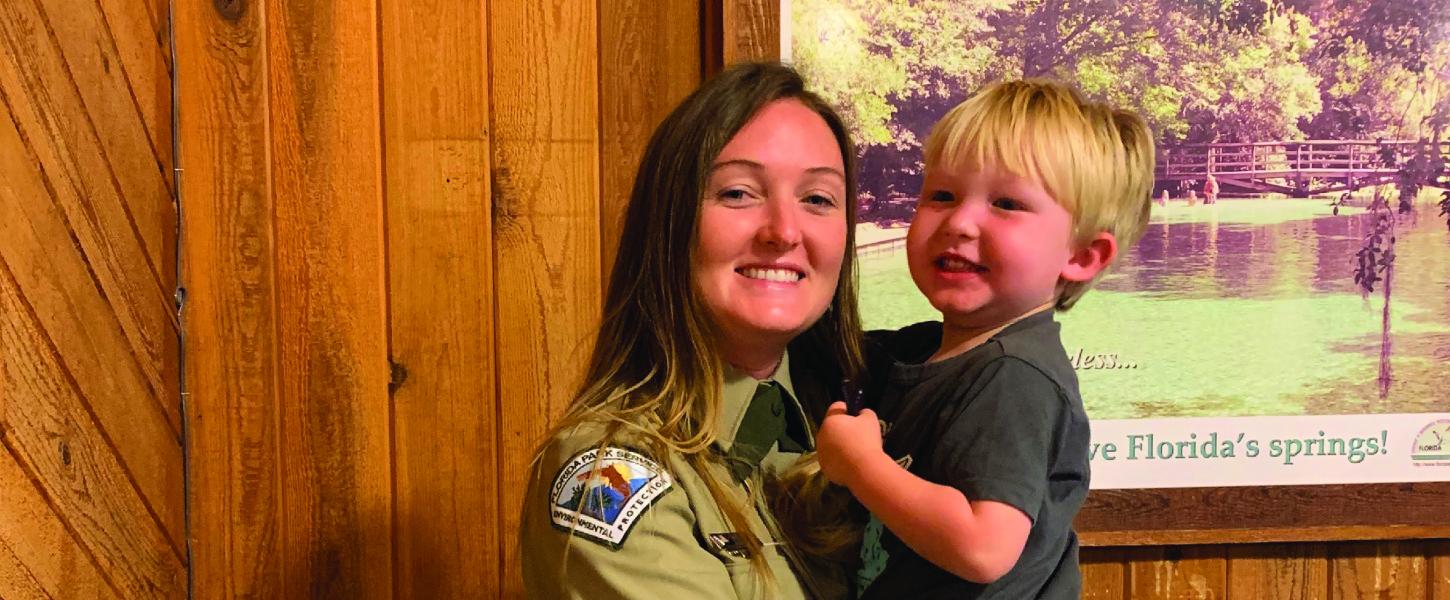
[{"x": 759, "y": 363}]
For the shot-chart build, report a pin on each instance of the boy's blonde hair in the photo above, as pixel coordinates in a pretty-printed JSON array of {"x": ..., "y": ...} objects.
[{"x": 1096, "y": 161}]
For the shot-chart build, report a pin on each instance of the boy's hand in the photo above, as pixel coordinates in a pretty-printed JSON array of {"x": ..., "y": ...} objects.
[{"x": 847, "y": 445}]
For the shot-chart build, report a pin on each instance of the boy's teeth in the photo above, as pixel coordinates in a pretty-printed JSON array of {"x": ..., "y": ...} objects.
[
  {"x": 785, "y": 275},
  {"x": 956, "y": 264}
]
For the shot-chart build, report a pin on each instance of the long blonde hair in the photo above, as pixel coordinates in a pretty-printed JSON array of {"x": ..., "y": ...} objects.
[{"x": 655, "y": 371}]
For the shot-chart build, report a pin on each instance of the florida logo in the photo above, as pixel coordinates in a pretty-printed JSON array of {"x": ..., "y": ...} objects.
[
  {"x": 1433, "y": 443},
  {"x": 600, "y": 494}
]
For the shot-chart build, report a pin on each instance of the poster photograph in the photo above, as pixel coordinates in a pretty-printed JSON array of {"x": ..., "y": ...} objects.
[{"x": 1285, "y": 319}]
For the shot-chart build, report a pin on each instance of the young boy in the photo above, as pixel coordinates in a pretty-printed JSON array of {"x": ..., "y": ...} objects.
[{"x": 1030, "y": 193}]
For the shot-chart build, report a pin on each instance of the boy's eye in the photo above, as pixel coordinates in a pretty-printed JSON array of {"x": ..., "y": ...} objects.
[
  {"x": 1008, "y": 204},
  {"x": 942, "y": 196}
]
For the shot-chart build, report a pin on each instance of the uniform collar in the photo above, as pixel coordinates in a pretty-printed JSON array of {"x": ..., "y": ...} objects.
[{"x": 740, "y": 389}]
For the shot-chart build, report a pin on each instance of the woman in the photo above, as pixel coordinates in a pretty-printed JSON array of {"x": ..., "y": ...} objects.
[{"x": 737, "y": 243}]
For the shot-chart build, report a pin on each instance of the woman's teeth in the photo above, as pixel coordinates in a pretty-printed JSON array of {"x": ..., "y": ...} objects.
[{"x": 783, "y": 275}]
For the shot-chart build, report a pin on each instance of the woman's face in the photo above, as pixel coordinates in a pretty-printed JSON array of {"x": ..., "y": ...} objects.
[{"x": 772, "y": 232}]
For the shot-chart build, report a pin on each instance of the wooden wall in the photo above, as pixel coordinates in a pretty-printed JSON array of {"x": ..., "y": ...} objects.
[
  {"x": 397, "y": 214},
  {"x": 91, "y": 493}
]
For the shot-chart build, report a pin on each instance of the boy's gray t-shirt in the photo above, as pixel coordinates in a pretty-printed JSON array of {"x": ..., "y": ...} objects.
[{"x": 1003, "y": 422}]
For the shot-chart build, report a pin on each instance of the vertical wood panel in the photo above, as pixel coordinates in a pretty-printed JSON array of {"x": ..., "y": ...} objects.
[
  {"x": 544, "y": 85},
  {"x": 37, "y": 552},
  {"x": 1278, "y": 571},
  {"x": 1174, "y": 573},
  {"x": 751, "y": 30},
  {"x": 55, "y": 276},
  {"x": 54, "y": 438},
  {"x": 440, "y": 284},
  {"x": 230, "y": 317},
  {"x": 1104, "y": 574},
  {"x": 649, "y": 60},
  {"x": 331, "y": 315},
  {"x": 1389, "y": 570},
  {"x": 1438, "y": 555},
  {"x": 49, "y": 115}
]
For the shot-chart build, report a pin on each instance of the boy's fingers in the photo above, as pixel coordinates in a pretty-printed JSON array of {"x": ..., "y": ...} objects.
[
  {"x": 866, "y": 412},
  {"x": 836, "y": 408}
]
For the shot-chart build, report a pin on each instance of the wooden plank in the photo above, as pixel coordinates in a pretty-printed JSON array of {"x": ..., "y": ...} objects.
[
  {"x": 39, "y": 557},
  {"x": 325, "y": 130},
  {"x": 233, "y": 447},
  {"x": 1438, "y": 555},
  {"x": 16, "y": 580},
  {"x": 129, "y": 129},
  {"x": 649, "y": 60},
  {"x": 1389, "y": 570},
  {"x": 1104, "y": 574},
  {"x": 1264, "y": 514},
  {"x": 55, "y": 277},
  {"x": 751, "y": 30},
  {"x": 86, "y": 113},
  {"x": 435, "y": 94},
  {"x": 1278, "y": 571},
  {"x": 1197, "y": 572},
  {"x": 146, "y": 61},
  {"x": 49, "y": 116},
  {"x": 543, "y": 62},
  {"x": 55, "y": 439}
]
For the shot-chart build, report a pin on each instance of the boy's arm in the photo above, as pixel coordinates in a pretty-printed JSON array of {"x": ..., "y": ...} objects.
[{"x": 978, "y": 541}]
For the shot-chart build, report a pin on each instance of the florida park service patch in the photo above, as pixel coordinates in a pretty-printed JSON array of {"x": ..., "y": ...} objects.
[{"x": 600, "y": 495}]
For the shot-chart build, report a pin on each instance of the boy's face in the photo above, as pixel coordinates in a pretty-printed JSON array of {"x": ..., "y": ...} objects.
[{"x": 986, "y": 246}]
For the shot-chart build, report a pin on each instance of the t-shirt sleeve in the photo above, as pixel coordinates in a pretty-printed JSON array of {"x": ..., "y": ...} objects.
[{"x": 1001, "y": 441}]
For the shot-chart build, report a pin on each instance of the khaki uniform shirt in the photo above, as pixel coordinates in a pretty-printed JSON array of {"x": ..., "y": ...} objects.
[{"x": 648, "y": 526}]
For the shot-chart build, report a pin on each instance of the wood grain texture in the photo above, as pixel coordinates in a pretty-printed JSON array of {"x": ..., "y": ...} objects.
[
  {"x": 326, "y": 157},
  {"x": 1174, "y": 573},
  {"x": 1278, "y": 571},
  {"x": 128, "y": 128},
  {"x": 544, "y": 65},
  {"x": 54, "y": 276},
  {"x": 751, "y": 30},
  {"x": 233, "y": 440},
  {"x": 649, "y": 60},
  {"x": 1438, "y": 556},
  {"x": 1265, "y": 514},
  {"x": 441, "y": 289},
  {"x": 122, "y": 252},
  {"x": 1389, "y": 570},
  {"x": 39, "y": 557},
  {"x": 145, "y": 60},
  {"x": 1104, "y": 574},
  {"x": 55, "y": 439}
]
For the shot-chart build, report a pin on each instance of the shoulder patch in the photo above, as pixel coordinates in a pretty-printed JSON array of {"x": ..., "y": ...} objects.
[{"x": 599, "y": 495}]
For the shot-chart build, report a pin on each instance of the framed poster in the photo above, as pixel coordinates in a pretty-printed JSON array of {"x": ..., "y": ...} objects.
[{"x": 1271, "y": 362}]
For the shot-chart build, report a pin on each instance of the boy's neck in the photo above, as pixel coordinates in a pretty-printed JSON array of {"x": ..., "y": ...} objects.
[{"x": 956, "y": 339}]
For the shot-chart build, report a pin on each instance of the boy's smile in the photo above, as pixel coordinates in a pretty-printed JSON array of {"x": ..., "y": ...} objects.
[{"x": 987, "y": 247}]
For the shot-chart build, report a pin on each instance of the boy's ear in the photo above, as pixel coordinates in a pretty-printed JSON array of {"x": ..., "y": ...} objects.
[{"x": 1091, "y": 258}]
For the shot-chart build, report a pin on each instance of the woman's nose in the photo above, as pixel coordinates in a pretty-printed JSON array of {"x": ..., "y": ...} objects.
[{"x": 780, "y": 228}]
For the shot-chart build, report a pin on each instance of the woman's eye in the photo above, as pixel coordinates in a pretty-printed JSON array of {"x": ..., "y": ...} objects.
[
  {"x": 1008, "y": 204},
  {"x": 820, "y": 200},
  {"x": 733, "y": 194},
  {"x": 942, "y": 196}
]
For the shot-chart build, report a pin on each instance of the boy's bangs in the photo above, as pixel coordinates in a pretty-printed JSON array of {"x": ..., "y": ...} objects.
[{"x": 1007, "y": 132}]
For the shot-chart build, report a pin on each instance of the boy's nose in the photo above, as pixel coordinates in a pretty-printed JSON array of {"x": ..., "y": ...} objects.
[
  {"x": 780, "y": 228},
  {"x": 963, "y": 220}
]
